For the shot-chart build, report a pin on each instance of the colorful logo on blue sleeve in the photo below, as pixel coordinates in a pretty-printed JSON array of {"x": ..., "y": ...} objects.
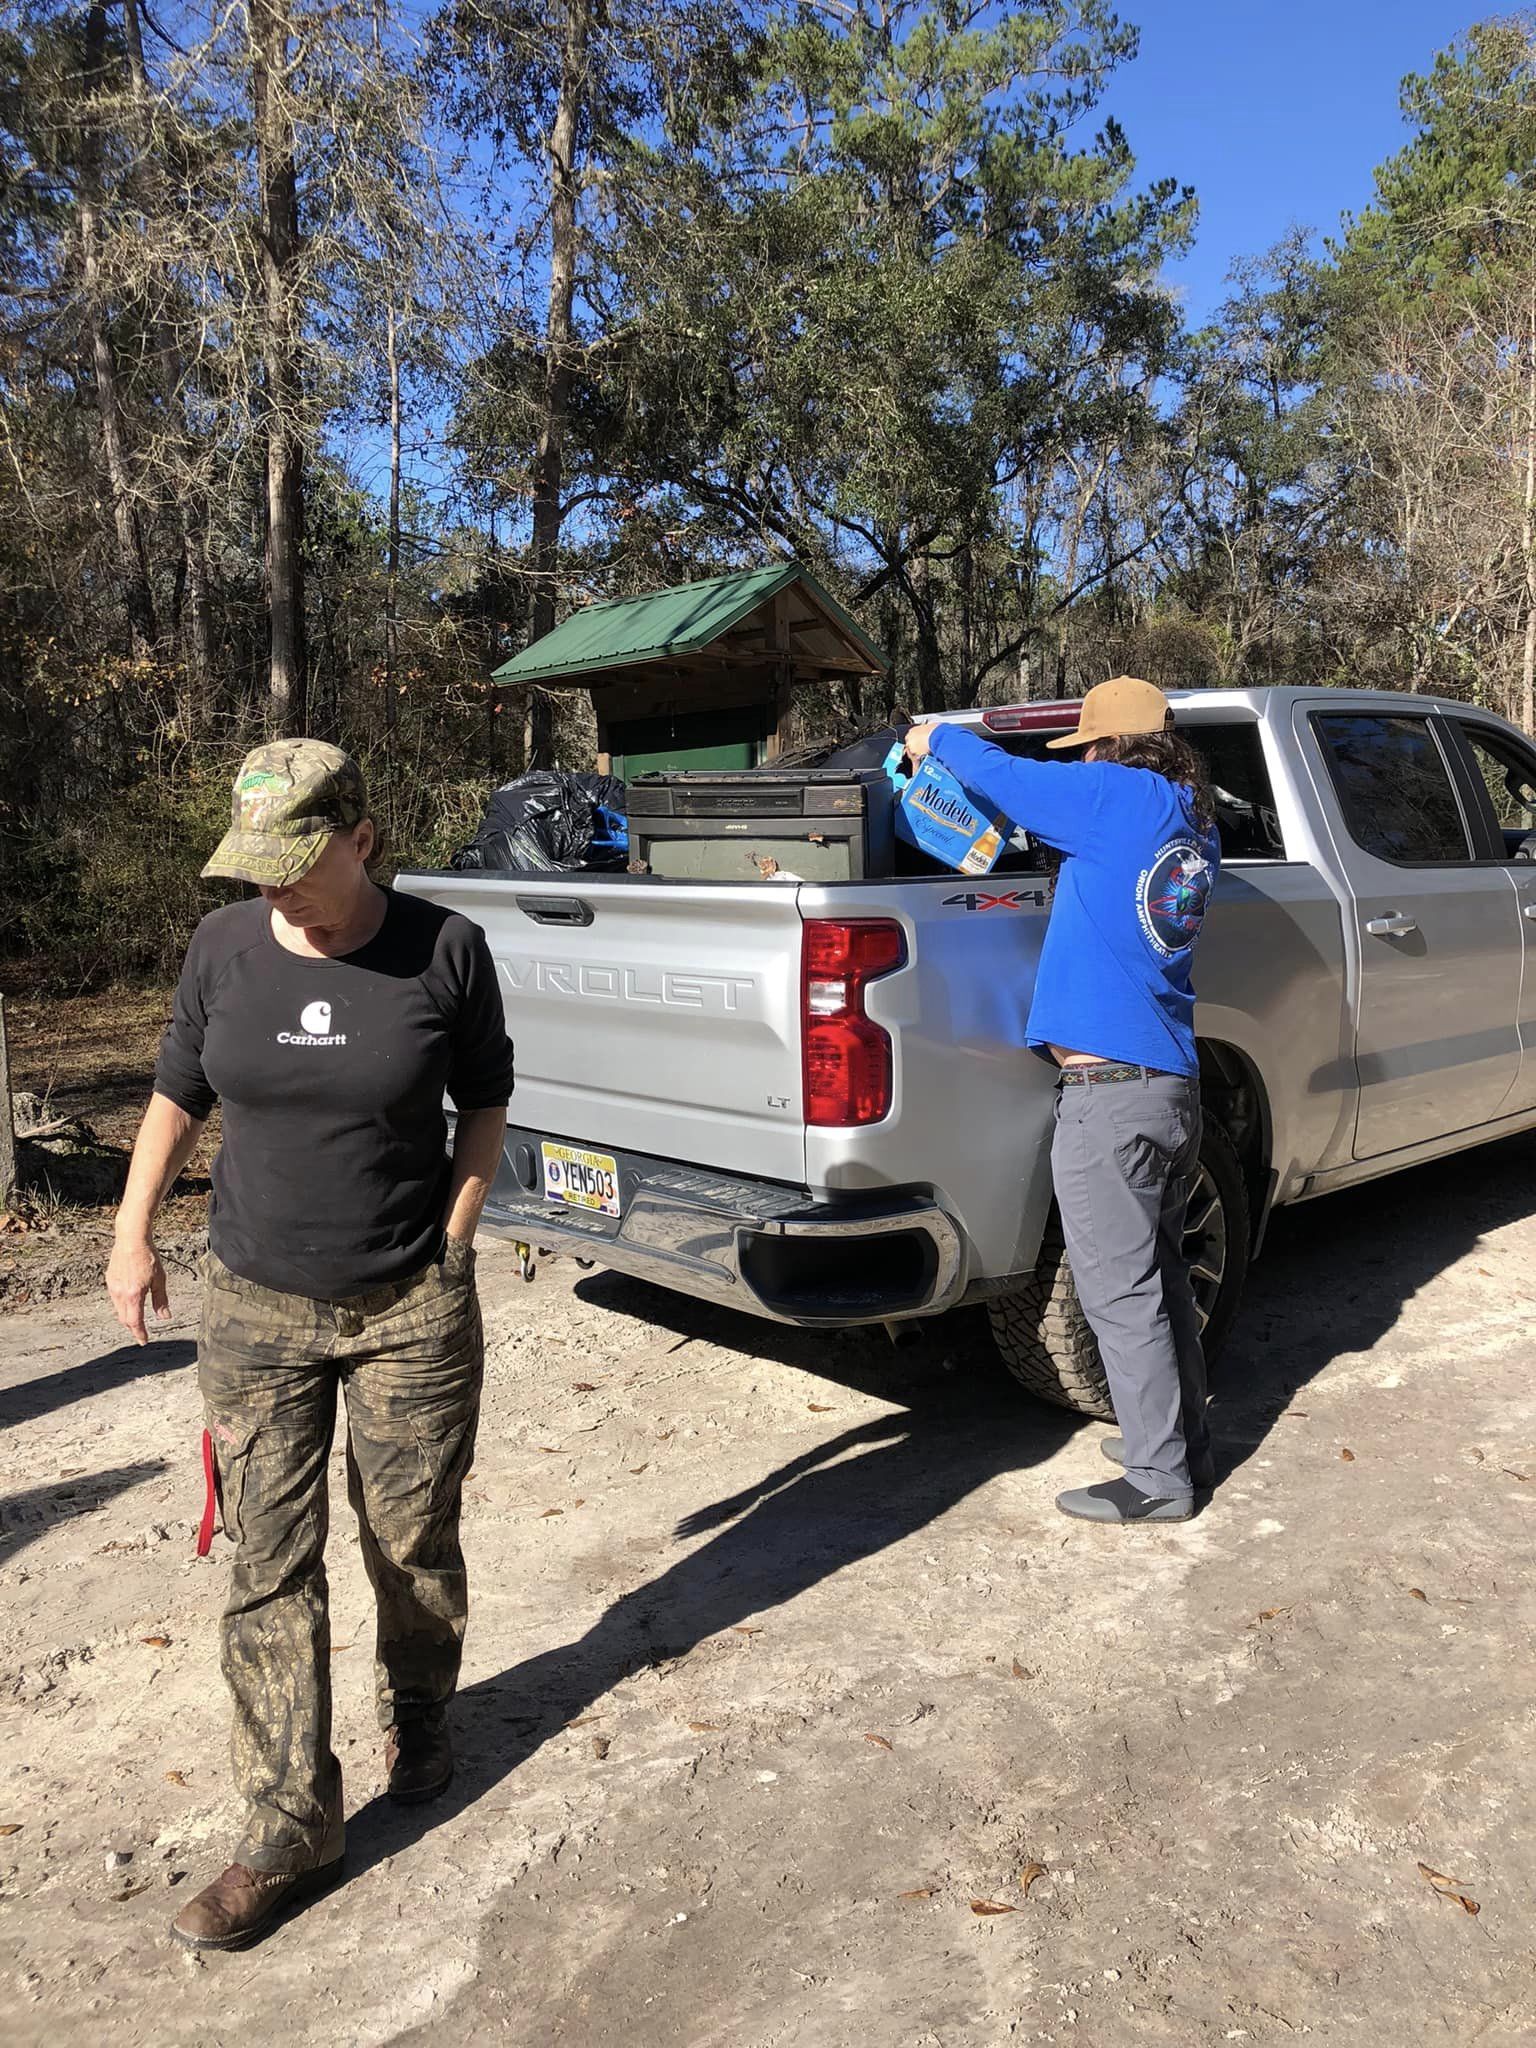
[{"x": 1172, "y": 895}]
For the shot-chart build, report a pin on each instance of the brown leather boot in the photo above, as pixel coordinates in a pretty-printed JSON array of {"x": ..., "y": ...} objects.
[
  {"x": 419, "y": 1758},
  {"x": 243, "y": 1905}
]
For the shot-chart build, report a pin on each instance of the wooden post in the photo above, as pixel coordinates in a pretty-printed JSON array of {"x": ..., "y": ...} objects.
[
  {"x": 782, "y": 687},
  {"x": 7, "y": 1122}
]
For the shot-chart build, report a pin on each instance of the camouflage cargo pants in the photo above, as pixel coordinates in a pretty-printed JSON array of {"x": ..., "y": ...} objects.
[{"x": 408, "y": 1359}]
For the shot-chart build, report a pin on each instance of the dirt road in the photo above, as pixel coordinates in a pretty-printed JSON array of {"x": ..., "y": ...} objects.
[{"x": 780, "y": 1660}]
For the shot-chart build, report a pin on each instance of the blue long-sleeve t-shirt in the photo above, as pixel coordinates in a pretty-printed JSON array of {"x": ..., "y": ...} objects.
[{"x": 1137, "y": 874}]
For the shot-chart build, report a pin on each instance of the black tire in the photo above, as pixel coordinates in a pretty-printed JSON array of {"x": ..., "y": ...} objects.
[{"x": 1040, "y": 1329}]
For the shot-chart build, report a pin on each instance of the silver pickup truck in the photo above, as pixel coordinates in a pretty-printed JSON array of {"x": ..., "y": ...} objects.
[{"x": 813, "y": 1101}]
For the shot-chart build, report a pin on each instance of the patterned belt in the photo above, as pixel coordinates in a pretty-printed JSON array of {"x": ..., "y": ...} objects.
[{"x": 1109, "y": 1070}]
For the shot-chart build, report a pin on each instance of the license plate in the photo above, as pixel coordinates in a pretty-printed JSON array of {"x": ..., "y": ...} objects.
[{"x": 581, "y": 1180}]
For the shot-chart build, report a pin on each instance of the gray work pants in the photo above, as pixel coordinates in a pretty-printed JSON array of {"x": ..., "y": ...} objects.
[{"x": 1122, "y": 1159}]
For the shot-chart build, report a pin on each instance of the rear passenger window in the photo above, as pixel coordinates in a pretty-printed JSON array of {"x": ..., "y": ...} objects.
[{"x": 1393, "y": 787}]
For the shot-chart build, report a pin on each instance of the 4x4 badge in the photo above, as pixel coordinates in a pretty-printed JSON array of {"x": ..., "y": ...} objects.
[{"x": 1012, "y": 899}]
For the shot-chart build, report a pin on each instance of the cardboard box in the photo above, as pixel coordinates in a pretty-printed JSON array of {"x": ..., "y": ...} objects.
[{"x": 934, "y": 813}]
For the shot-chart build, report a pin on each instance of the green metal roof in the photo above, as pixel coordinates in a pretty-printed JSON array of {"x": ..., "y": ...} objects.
[{"x": 625, "y": 630}]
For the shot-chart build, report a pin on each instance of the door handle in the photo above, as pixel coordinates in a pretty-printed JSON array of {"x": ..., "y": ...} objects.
[
  {"x": 1393, "y": 926},
  {"x": 561, "y": 910}
]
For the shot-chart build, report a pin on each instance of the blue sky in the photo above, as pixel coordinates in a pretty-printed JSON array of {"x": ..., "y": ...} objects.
[{"x": 1276, "y": 111}]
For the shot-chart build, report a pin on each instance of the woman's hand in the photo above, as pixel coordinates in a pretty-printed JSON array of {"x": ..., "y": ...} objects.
[
  {"x": 919, "y": 742},
  {"x": 134, "y": 1272}
]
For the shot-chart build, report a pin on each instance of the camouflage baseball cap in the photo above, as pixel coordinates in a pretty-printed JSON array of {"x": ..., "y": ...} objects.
[{"x": 290, "y": 797}]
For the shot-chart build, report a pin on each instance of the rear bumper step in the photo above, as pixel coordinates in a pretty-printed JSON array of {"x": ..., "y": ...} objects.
[{"x": 769, "y": 1250}]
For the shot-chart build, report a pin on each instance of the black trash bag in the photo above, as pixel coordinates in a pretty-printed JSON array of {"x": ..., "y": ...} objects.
[{"x": 551, "y": 822}]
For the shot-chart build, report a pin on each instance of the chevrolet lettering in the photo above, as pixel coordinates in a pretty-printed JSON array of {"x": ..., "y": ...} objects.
[{"x": 723, "y": 994}]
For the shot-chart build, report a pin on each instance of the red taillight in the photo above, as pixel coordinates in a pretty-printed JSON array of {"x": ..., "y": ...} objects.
[{"x": 847, "y": 1055}]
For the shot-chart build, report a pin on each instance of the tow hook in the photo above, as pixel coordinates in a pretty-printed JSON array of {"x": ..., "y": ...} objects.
[{"x": 525, "y": 1261}]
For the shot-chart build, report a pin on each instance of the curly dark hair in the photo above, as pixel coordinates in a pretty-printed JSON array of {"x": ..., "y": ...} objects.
[{"x": 1165, "y": 753}]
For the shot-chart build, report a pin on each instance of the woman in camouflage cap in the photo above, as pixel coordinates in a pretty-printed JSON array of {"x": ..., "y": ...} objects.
[{"x": 329, "y": 1017}]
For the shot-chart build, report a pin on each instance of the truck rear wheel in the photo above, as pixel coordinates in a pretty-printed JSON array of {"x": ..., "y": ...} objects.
[{"x": 1040, "y": 1328}]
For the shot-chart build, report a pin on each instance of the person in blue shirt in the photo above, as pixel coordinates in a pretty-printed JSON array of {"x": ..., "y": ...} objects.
[{"x": 1114, "y": 1008}]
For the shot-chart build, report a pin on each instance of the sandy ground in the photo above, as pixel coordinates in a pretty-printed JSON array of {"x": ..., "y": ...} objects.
[{"x": 781, "y": 1661}]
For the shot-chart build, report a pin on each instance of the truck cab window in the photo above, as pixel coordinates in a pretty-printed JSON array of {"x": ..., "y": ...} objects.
[
  {"x": 1246, "y": 818},
  {"x": 1509, "y": 775},
  {"x": 1394, "y": 787}
]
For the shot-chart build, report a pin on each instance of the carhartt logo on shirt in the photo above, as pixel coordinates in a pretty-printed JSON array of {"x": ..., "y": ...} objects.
[{"x": 315, "y": 1023}]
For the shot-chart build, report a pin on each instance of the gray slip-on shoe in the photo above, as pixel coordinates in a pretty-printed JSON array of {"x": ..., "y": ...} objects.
[
  {"x": 1119, "y": 1501},
  {"x": 1201, "y": 1470}
]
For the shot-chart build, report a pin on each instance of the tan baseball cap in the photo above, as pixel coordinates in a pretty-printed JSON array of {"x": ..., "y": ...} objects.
[
  {"x": 290, "y": 797},
  {"x": 1125, "y": 704}
]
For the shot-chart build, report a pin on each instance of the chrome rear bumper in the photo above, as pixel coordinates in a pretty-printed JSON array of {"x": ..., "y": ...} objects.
[{"x": 768, "y": 1250}]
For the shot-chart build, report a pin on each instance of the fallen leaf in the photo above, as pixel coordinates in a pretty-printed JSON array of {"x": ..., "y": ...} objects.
[
  {"x": 746, "y": 1628},
  {"x": 923, "y": 1891},
  {"x": 665, "y": 1436},
  {"x": 129, "y": 1892},
  {"x": 550, "y": 1450},
  {"x": 879, "y": 1741},
  {"x": 990, "y": 1906},
  {"x": 1019, "y": 1670},
  {"x": 585, "y": 1721},
  {"x": 551, "y": 1511},
  {"x": 12, "y": 1827},
  {"x": 704, "y": 1727},
  {"x": 636, "y": 1470},
  {"x": 1268, "y": 1614},
  {"x": 580, "y": 1501},
  {"x": 175, "y": 1778},
  {"x": 1417, "y": 1593},
  {"x": 156, "y": 1642},
  {"x": 1295, "y": 1415},
  {"x": 1510, "y": 1473},
  {"x": 819, "y": 1407},
  {"x": 1479, "y": 1456},
  {"x": 1448, "y": 1888},
  {"x": 1348, "y": 1457},
  {"x": 1028, "y": 1875},
  {"x": 583, "y": 1386},
  {"x": 601, "y": 1744},
  {"x": 337, "y": 1648},
  {"x": 73, "y": 1472}
]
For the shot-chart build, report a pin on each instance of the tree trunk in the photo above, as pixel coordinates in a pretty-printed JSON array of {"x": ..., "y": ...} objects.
[
  {"x": 288, "y": 665},
  {"x": 198, "y": 610},
  {"x": 1528, "y": 523},
  {"x": 930, "y": 660},
  {"x": 549, "y": 458},
  {"x": 132, "y": 554}
]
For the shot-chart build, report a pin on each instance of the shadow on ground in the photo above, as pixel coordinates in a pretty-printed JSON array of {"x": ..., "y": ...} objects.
[
  {"x": 34, "y": 1398},
  {"x": 26, "y": 1516},
  {"x": 1334, "y": 1281}
]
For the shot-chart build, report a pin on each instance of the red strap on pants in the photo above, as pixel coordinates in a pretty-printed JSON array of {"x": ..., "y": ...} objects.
[{"x": 210, "y": 1498}]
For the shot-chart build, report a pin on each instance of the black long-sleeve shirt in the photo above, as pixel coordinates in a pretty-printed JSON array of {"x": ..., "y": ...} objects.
[{"x": 333, "y": 1175}]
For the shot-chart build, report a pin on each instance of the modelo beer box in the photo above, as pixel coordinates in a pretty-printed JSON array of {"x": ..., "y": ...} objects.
[{"x": 934, "y": 814}]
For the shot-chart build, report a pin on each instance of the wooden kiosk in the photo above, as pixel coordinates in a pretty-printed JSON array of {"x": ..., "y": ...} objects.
[{"x": 701, "y": 676}]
